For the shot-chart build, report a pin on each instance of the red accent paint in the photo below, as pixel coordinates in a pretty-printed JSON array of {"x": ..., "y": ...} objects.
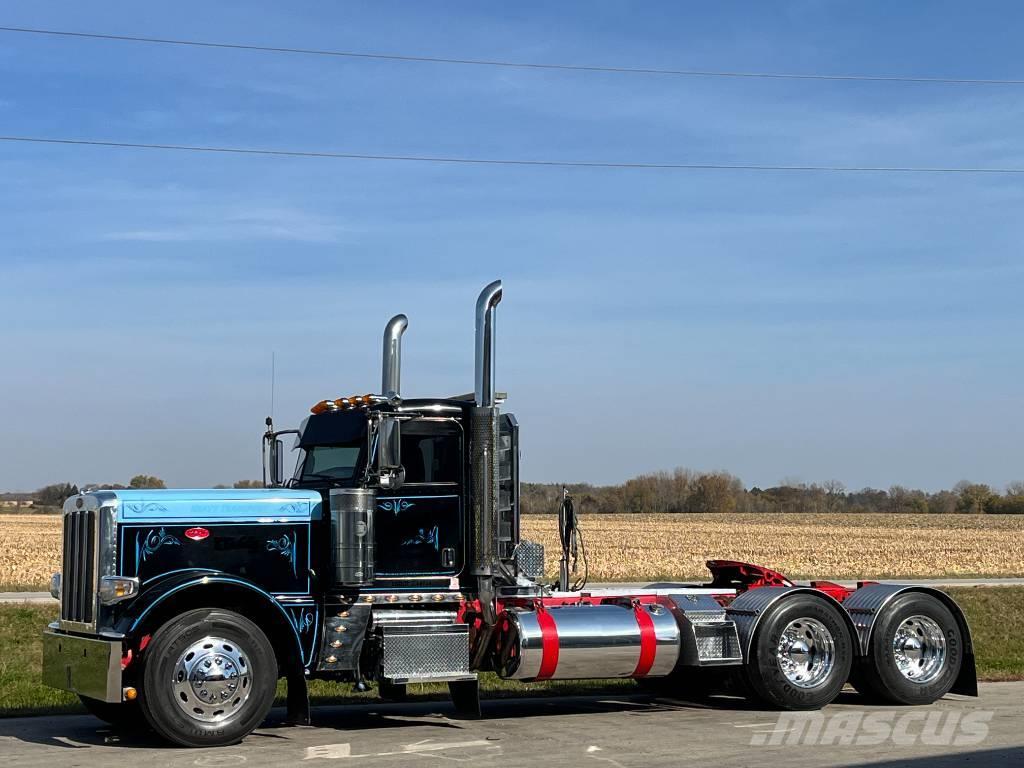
[
  {"x": 838, "y": 591},
  {"x": 126, "y": 660},
  {"x": 196, "y": 534},
  {"x": 648, "y": 641},
  {"x": 742, "y": 576},
  {"x": 144, "y": 642},
  {"x": 549, "y": 645}
]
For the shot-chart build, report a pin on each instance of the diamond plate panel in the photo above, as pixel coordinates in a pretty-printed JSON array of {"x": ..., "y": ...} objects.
[
  {"x": 530, "y": 559},
  {"x": 422, "y": 653},
  {"x": 717, "y": 643}
]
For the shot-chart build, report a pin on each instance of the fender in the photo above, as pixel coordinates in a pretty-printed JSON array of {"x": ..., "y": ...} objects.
[
  {"x": 749, "y": 608},
  {"x": 160, "y": 590},
  {"x": 867, "y": 603}
]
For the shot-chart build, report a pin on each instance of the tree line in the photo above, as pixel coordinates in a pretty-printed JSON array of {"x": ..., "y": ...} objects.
[
  {"x": 684, "y": 490},
  {"x": 54, "y": 495}
]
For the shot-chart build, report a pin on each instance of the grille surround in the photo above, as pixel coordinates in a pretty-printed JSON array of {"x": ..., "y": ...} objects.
[{"x": 89, "y": 552}]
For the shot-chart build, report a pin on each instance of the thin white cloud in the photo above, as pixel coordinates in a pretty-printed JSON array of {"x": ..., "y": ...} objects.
[{"x": 278, "y": 224}]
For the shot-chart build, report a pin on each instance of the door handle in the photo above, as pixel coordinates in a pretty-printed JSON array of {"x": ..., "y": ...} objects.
[{"x": 448, "y": 557}]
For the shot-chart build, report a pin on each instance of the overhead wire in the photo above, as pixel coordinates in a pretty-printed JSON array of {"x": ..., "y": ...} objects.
[
  {"x": 443, "y": 159},
  {"x": 476, "y": 62}
]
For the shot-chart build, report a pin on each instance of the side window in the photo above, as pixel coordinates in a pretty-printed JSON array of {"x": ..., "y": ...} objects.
[{"x": 431, "y": 453}]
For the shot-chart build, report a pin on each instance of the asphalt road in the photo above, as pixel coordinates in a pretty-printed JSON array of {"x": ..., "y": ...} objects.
[
  {"x": 44, "y": 597},
  {"x": 635, "y": 731}
]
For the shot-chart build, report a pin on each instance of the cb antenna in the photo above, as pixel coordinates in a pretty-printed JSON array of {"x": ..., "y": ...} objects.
[{"x": 273, "y": 372}]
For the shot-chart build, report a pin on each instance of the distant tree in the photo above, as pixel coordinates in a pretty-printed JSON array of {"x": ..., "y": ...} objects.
[
  {"x": 248, "y": 484},
  {"x": 55, "y": 495},
  {"x": 146, "y": 481},
  {"x": 1009, "y": 505},
  {"x": 835, "y": 495},
  {"x": 1015, "y": 488},
  {"x": 974, "y": 498},
  {"x": 714, "y": 492},
  {"x": 904, "y": 500},
  {"x": 942, "y": 503}
]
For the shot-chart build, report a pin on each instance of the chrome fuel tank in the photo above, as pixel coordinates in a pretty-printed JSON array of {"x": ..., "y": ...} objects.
[{"x": 587, "y": 641}]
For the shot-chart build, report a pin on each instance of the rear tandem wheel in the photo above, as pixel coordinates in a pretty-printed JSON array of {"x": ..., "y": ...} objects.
[{"x": 801, "y": 654}]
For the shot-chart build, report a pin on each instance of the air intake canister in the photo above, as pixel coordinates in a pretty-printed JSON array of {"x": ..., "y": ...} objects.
[{"x": 352, "y": 534}]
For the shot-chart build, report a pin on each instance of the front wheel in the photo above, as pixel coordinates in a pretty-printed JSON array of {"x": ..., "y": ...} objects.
[
  {"x": 208, "y": 679},
  {"x": 801, "y": 654}
]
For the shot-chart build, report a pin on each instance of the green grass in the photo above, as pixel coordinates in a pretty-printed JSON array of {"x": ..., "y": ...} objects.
[
  {"x": 996, "y": 615},
  {"x": 21, "y": 648},
  {"x": 21, "y": 586}
]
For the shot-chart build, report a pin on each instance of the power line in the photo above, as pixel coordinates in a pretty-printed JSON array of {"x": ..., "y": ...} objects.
[
  {"x": 518, "y": 64},
  {"x": 512, "y": 161}
]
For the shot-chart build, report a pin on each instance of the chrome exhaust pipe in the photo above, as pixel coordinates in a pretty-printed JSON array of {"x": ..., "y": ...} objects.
[
  {"x": 486, "y": 304},
  {"x": 483, "y": 453},
  {"x": 391, "y": 377}
]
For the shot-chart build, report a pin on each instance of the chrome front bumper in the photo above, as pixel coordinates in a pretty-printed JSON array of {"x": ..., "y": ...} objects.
[{"x": 84, "y": 665}]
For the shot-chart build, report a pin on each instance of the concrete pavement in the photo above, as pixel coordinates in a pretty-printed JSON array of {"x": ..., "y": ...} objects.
[{"x": 635, "y": 731}]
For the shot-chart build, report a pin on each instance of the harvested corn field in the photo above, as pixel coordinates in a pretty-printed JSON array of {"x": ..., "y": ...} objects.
[
  {"x": 30, "y": 547},
  {"x": 644, "y": 547}
]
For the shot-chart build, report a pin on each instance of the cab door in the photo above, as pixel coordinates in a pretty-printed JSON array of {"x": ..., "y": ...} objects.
[{"x": 418, "y": 529}]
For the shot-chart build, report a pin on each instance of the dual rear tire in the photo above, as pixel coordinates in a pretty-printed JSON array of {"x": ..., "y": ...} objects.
[
  {"x": 803, "y": 653},
  {"x": 916, "y": 651}
]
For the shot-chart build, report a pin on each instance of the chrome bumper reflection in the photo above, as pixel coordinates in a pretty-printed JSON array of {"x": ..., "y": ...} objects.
[{"x": 83, "y": 665}]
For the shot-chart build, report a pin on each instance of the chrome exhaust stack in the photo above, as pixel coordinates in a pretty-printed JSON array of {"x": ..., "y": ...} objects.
[
  {"x": 486, "y": 306},
  {"x": 484, "y": 454},
  {"x": 391, "y": 377}
]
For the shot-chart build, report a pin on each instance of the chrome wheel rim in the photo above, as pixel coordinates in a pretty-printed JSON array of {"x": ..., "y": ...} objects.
[
  {"x": 919, "y": 649},
  {"x": 212, "y": 680},
  {"x": 806, "y": 653}
]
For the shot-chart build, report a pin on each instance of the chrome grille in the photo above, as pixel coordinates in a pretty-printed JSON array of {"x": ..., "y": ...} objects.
[{"x": 78, "y": 580}]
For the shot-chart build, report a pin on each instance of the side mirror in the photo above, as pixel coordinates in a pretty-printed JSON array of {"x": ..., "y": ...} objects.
[
  {"x": 389, "y": 444},
  {"x": 276, "y": 462}
]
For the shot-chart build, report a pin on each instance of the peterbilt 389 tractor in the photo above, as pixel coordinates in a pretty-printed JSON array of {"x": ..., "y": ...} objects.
[{"x": 392, "y": 555}]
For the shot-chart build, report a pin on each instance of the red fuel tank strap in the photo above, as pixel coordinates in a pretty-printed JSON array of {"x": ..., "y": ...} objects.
[
  {"x": 549, "y": 645},
  {"x": 648, "y": 641}
]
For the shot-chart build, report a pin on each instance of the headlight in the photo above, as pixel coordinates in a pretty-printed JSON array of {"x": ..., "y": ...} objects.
[
  {"x": 114, "y": 589},
  {"x": 55, "y": 586}
]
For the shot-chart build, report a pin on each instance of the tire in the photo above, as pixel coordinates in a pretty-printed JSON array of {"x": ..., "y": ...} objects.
[
  {"x": 801, "y": 654},
  {"x": 888, "y": 673},
  {"x": 124, "y": 716},
  {"x": 208, "y": 678}
]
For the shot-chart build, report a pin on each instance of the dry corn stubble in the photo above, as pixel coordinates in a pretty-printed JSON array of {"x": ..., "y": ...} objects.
[{"x": 637, "y": 547}]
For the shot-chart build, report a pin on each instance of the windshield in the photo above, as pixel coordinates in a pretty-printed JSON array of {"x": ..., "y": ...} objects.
[{"x": 329, "y": 462}]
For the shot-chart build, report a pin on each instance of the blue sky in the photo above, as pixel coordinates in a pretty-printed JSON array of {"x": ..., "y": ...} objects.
[{"x": 776, "y": 325}]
